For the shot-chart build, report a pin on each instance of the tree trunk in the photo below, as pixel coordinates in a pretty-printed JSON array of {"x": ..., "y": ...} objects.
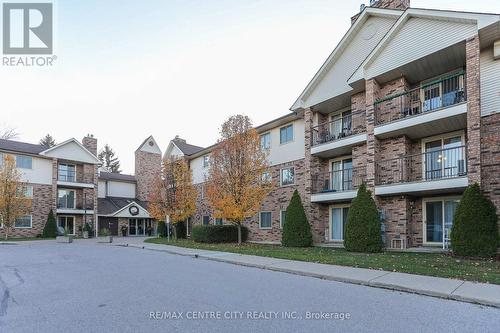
[
  {"x": 174, "y": 230},
  {"x": 239, "y": 233}
]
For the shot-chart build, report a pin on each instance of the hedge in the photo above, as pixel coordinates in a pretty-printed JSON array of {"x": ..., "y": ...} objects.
[
  {"x": 218, "y": 233},
  {"x": 180, "y": 229},
  {"x": 474, "y": 231},
  {"x": 296, "y": 229}
]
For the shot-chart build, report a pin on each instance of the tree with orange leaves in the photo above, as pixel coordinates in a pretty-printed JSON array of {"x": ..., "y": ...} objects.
[
  {"x": 235, "y": 183},
  {"x": 13, "y": 201},
  {"x": 173, "y": 192}
]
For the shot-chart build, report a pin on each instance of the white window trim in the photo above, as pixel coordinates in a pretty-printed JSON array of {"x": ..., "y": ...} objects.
[
  {"x": 260, "y": 220},
  {"x": 281, "y": 217},
  {"x": 31, "y": 191},
  {"x": 67, "y": 164},
  {"x": 202, "y": 218},
  {"x": 215, "y": 220},
  {"x": 74, "y": 222},
  {"x": 203, "y": 161},
  {"x": 293, "y": 134},
  {"x": 424, "y": 216},
  {"x": 330, "y": 221},
  {"x": 270, "y": 139},
  {"x": 74, "y": 197},
  {"x": 23, "y": 167},
  {"x": 441, "y": 137},
  {"x": 281, "y": 176},
  {"x": 268, "y": 179},
  {"x": 31, "y": 223}
]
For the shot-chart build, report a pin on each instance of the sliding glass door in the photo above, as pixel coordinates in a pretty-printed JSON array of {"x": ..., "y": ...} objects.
[
  {"x": 444, "y": 158},
  {"x": 338, "y": 221},
  {"x": 438, "y": 219},
  {"x": 342, "y": 175}
]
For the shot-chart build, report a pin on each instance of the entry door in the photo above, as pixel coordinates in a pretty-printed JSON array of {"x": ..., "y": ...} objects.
[
  {"x": 141, "y": 227},
  {"x": 132, "y": 227},
  {"x": 67, "y": 223},
  {"x": 338, "y": 222},
  {"x": 439, "y": 219}
]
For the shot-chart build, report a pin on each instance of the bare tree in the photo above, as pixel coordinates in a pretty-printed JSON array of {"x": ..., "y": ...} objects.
[{"x": 8, "y": 133}]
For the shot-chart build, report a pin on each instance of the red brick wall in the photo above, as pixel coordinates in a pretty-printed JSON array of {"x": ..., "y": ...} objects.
[{"x": 490, "y": 158}]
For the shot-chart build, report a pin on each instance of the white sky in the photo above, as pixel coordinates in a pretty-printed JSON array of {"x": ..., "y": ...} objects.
[{"x": 129, "y": 69}]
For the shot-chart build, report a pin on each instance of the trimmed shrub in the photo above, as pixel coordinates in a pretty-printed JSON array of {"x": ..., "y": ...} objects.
[
  {"x": 180, "y": 229},
  {"x": 362, "y": 232},
  {"x": 161, "y": 229},
  {"x": 296, "y": 229},
  {"x": 50, "y": 229},
  {"x": 474, "y": 231},
  {"x": 218, "y": 233}
]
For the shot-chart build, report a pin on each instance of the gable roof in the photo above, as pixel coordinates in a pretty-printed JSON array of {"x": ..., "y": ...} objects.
[
  {"x": 86, "y": 157},
  {"x": 340, "y": 48},
  {"x": 116, "y": 176},
  {"x": 113, "y": 205},
  {"x": 21, "y": 147},
  {"x": 481, "y": 19},
  {"x": 186, "y": 148},
  {"x": 155, "y": 148}
]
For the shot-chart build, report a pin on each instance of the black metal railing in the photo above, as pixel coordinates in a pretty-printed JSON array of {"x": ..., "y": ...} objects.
[
  {"x": 340, "y": 128},
  {"x": 431, "y": 165},
  {"x": 339, "y": 180},
  {"x": 428, "y": 97}
]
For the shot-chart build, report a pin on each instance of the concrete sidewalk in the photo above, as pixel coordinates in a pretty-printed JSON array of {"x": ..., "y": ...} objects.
[{"x": 479, "y": 293}]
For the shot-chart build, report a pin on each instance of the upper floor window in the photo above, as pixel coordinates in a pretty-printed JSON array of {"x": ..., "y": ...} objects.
[
  {"x": 66, "y": 199},
  {"x": 287, "y": 176},
  {"x": 265, "y": 141},
  {"x": 266, "y": 177},
  {"x": 26, "y": 191},
  {"x": 206, "y": 159},
  {"x": 24, "y": 162},
  {"x": 66, "y": 172},
  {"x": 286, "y": 134}
]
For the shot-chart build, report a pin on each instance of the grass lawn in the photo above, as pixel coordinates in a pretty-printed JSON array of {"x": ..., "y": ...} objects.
[{"x": 442, "y": 265}]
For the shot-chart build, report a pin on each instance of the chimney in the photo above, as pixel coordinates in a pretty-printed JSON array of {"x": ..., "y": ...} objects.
[
  {"x": 90, "y": 143},
  {"x": 147, "y": 167},
  {"x": 384, "y": 4},
  {"x": 179, "y": 139}
]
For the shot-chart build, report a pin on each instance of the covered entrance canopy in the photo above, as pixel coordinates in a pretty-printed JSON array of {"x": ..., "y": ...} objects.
[{"x": 124, "y": 215}]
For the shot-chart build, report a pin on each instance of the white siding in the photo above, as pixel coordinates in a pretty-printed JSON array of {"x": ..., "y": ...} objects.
[
  {"x": 199, "y": 172},
  {"x": 290, "y": 151},
  {"x": 490, "y": 82},
  {"x": 41, "y": 172},
  {"x": 150, "y": 146},
  {"x": 73, "y": 152},
  {"x": 176, "y": 152},
  {"x": 121, "y": 189},
  {"x": 334, "y": 81},
  {"x": 101, "y": 189},
  {"x": 417, "y": 38}
]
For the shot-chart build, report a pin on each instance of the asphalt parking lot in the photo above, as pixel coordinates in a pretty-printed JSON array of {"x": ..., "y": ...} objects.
[{"x": 84, "y": 286}]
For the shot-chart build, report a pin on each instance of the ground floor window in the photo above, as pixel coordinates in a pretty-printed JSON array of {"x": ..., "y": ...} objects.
[
  {"x": 140, "y": 227},
  {"x": 438, "y": 219},
  {"x": 67, "y": 223},
  {"x": 265, "y": 221},
  {"x": 338, "y": 221},
  {"x": 218, "y": 221},
  {"x": 282, "y": 218},
  {"x": 206, "y": 220},
  {"x": 23, "y": 222}
]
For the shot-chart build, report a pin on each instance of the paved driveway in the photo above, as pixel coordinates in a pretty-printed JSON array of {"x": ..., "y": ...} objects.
[{"x": 49, "y": 287}]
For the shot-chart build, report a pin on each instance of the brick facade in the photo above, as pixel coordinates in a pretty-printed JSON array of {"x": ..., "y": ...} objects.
[{"x": 147, "y": 169}]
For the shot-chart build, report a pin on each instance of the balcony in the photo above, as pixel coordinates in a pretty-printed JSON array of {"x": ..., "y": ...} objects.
[
  {"x": 336, "y": 186},
  {"x": 67, "y": 177},
  {"x": 432, "y": 172},
  {"x": 432, "y": 108},
  {"x": 337, "y": 137},
  {"x": 75, "y": 210}
]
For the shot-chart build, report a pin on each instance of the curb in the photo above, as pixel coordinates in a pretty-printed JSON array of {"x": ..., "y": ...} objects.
[{"x": 374, "y": 284}]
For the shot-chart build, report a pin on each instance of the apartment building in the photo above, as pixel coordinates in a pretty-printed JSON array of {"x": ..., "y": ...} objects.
[
  {"x": 66, "y": 178},
  {"x": 284, "y": 138},
  {"x": 408, "y": 102},
  {"x": 62, "y": 178}
]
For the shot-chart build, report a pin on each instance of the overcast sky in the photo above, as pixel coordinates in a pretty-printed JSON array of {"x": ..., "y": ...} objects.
[{"x": 129, "y": 69}]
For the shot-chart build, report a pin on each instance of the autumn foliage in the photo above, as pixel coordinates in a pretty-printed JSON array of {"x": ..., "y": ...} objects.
[
  {"x": 173, "y": 192},
  {"x": 234, "y": 187},
  {"x": 13, "y": 202}
]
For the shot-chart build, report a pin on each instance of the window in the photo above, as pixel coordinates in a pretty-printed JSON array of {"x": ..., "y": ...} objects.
[
  {"x": 286, "y": 134},
  {"x": 265, "y": 141},
  {"x": 218, "y": 221},
  {"x": 66, "y": 172},
  {"x": 206, "y": 220},
  {"x": 444, "y": 158},
  {"x": 265, "y": 221},
  {"x": 341, "y": 176},
  {"x": 282, "y": 218},
  {"x": 23, "y": 222},
  {"x": 205, "y": 161},
  {"x": 340, "y": 125},
  {"x": 287, "y": 176},
  {"x": 266, "y": 177},
  {"x": 67, "y": 223},
  {"x": 1, "y": 158},
  {"x": 66, "y": 199},
  {"x": 202, "y": 192},
  {"x": 338, "y": 221},
  {"x": 24, "y": 162},
  {"x": 26, "y": 191},
  {"x": 438, "y": 219}
]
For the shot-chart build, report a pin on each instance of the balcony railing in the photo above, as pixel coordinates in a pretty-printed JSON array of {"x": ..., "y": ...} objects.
[
  {"x": 67, "y": 176},
  {"x": 339, "y": 180},
  {"x": 428, "y": 97},
  {"x": 348, "y": 125},
  {"x": 431, "y": 165},
  {"x": 77, "y": 207}
]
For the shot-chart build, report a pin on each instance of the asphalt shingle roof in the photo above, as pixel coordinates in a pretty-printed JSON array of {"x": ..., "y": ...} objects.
[
  {"x": 21, "y": 147},
  {"x": 186, "y": 148},
  {"x": 116, "y": 176},
  {"x": 110, "y": 205}
]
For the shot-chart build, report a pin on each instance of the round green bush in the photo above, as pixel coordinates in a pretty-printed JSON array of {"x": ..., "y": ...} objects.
[
  {"x": 218, "y": 233},
  {"x": 362, "y": 232},
  {"x": 474, "y": 231},
  {"x": 180, "y": 229},
  {"x": 296, "y": 229}
]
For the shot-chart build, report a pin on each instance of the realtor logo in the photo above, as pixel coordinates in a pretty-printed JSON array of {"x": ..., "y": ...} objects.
[{"x": 27, "y": 28}]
